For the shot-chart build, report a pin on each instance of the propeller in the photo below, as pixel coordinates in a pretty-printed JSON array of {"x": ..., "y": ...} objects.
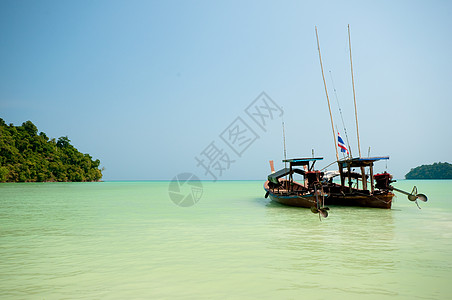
[
  {"x": 422, "y": 197},
  {"x": 322, "y": 211},
  {"x": 314, "y": 210},
  {"x": 413, "y": 196}
]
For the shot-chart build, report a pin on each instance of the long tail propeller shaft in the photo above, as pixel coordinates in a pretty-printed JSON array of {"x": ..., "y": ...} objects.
[
  {"x": 413, "y": 196},
  {"x": 319, "y": 209}
]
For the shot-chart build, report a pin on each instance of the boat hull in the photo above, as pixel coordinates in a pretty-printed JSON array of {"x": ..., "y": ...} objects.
[
  {"x": 291, "y": 199},
  {"x": 376, "y": 200},
  {"x": 299, "y": 201},
  {"x": 333, "y": 197}
]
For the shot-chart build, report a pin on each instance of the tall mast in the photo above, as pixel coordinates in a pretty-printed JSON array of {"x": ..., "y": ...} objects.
[
  {"x": 284, "y": 141},
  {"x": 363, "y": 171},
  {"x": 326, "y": 92},
  {"x": 353, "y": 85}
]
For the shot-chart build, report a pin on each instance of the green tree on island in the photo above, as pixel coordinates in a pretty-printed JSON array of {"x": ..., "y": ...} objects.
[
  {"x": 435, "y": 171},
  {"x": 26, "y": 156}
]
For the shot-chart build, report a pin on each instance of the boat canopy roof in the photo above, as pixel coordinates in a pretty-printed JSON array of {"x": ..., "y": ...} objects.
[
  {"x": 283, "y": 172},
  {"x": 361, "y": 161},
  {"x": 302, "y": 161}
]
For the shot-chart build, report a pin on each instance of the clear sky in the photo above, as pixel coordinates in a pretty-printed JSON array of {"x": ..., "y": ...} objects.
[{"x": 148, "y": 86}]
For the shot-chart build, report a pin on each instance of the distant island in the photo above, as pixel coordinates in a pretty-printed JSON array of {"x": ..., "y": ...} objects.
[
  {"x": 435, "y": 171},
  {"x": 26, "y": 156}
]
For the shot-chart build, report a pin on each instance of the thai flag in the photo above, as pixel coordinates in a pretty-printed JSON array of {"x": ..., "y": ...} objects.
[{"x": 341, "y": 144}]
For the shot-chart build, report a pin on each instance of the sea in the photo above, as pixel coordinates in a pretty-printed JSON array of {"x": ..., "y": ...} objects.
[{"x": 134, "y": 240}]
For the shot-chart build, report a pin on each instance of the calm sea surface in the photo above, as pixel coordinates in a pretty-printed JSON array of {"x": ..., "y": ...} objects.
[{"x": 129, "y": 240}]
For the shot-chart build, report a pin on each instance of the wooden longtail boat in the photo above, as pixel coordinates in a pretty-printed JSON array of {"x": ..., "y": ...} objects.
[
  {"x": 354, "y": 189},
  {"x": 282, "y": 188}
]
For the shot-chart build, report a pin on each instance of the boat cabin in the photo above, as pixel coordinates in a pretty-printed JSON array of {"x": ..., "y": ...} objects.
[
  {"x": 310, "y": 175},
  {"x": 346, "y": 166}
]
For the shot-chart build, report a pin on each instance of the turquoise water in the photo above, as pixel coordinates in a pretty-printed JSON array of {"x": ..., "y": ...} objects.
[{"x": 129, "y": 240}]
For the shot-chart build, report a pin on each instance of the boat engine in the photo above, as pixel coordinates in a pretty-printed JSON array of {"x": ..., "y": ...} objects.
[
  {"x": 313, "y": 177},
  {"x": 383, "y": 181}
]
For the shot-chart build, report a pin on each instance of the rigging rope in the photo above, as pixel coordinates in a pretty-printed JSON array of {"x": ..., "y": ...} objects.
[
  {"x": 342, "y": 118},
  {"x": 328, "y": 165}
]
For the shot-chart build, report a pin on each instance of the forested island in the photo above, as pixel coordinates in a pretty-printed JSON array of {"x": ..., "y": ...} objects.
[
  {"x": 26, "y": 156},
  {"x": 435, "y": 171}
]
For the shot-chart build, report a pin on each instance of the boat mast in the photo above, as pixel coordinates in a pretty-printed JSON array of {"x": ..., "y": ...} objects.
[
  {"x": 353, "y": 86},
  {"x": 284, "y": 143},
  {"x": 326, "y": 92},
  {"x": 285, "y": 156},
  {"x": 363, "y": 171}
]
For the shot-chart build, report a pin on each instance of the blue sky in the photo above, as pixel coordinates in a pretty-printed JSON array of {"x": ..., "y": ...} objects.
[{"x": 147, "y": 86}]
